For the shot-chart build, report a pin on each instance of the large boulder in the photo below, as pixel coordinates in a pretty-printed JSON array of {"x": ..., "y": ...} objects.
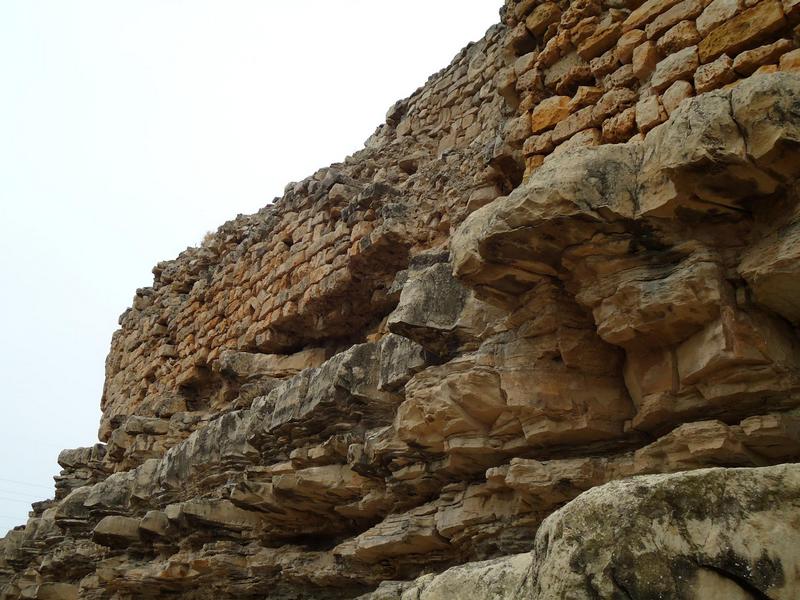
[{"x": 711, "y": 533}]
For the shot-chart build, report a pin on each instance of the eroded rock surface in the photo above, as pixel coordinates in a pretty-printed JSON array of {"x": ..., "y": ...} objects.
[
  {"x": 713, "y": 533},
  {"x": 564, "y": 268}
]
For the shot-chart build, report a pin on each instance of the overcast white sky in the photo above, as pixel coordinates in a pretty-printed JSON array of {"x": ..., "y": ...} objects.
[{"x": 129, "y": 129}]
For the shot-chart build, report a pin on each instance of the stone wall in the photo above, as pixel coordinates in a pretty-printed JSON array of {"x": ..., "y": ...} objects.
[
  {"x": 414, "y": 358},
  {"x": 592, "y": 72},
  {"x": 313, "y": 269}
]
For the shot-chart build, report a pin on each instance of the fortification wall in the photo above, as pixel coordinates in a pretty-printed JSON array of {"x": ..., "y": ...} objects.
[{"x": 494, "y": 322}]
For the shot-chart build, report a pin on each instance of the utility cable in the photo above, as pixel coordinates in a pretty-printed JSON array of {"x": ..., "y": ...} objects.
[{"x": 26, "y": 483}]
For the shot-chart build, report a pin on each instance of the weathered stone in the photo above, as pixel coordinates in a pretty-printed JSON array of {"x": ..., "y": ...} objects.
[
  {"x": 675, "y": 94},
  {"x": 604, "y": 64},
  {"x": 438, "y": 313},
  {"x": 549, "y": 112},
  {"x": 714, "y": 75},
  {"x": 627, "y": 43},
  {"x": 649, "y": 113},
  {"x": 771, "y": 267},
  {"x": 621, "y": 127},
  {"x": 604, "y": 37},
  {"x": 647, "y": 12},
  {"x": 585, "y": 96},
  {"x": 541, "y": 17},
  {"x": 697, "y": 561},
  {"x": 686, "y": 9},
  {"x": 747, "y": 62},
  {"x": 645, "y": 57},
  {"x": 766, "y": 108},
  {"x": 716, "y": 13},
  {"x": 565, "y": 129},
  {"x": 681, "y": 36},
  {"x": 692, "y": 550},
  {"x": 116, "y": 531},
  {"x": 678, "y": 66},
  {"x": 312, "y": 405},
  {"x": 742, "y": 31},
  {"x": 693, "y": 139}
]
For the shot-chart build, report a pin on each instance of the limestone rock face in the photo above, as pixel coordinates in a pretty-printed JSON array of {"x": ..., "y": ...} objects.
[
  {"x": 673, "y": 536},
  {"x": 538, "y": 339},
  {"x": 705, "y": 534}
]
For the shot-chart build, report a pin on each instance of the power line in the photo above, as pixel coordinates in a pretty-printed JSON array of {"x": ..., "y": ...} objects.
[
  {"x": 15, "y": 500},
  {"x": 2, "y": 491},
  {"x": 27, "y": 483}
]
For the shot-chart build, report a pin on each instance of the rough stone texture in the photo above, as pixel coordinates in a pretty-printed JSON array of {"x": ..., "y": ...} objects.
[
  {"x": 530, "y": 282},
  {"x": 673, "y": 536}
]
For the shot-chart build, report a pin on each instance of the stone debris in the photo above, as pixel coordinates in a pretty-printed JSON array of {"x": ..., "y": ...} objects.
[{"x": 538, "y": 337}]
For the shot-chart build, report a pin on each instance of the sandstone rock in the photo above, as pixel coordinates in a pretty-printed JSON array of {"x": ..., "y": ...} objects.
[
  {"x": 116, "y": 531},
  {"x": 680, "y": 36},
  {"x": 771, "y": 268},
  {"x": 604, "y": 37},
  {"x": 678, "y": 66},
  {"x": 582, "y": 139},
  {"x": 541, "y": 17},
  {"x": 621, "y": 127},
  {"x": 487, "y": 580},
  {"x": 716, "y": 13},
  {"x": 691, "y": 514},
  {"x": 311, "y": 404},
  {"x": 684, "y": 10},
  {"x": 649, "y": 113},
  {"x": 766, "y": 111},
  {"x": 714, "y": 75},
  {"x": 437, "y": 312},
  {"x": 747, "y": 62},
  {"x": 647, "y": 12},
  {"x": 549, "y": 112},
  {"x": 645, "y": 58},
  {"x": 675, "y": 94},
  {"x": 699, "y": 555},
  {"x": 691, "y": 139},
  {"x": 585, "y": 96},
  {"x": 742, "y": 31},
  {"x": 790, "y": 61},
  {"x": 627, "y": 43}
]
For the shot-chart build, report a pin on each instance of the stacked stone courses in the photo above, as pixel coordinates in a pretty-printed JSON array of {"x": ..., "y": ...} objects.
[{"x": 539, "y": 338}]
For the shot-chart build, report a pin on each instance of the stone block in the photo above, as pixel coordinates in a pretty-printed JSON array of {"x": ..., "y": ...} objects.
[
  {"x": 621, "y": 127},
  {"x": 790, "y": 61},
  {"x": 604, "y": 38},
  {"x": 676, "y": 67},
  {"x": 749, "y": 61},
  {"x": 675, "y": 94},
  {"x": 649, "y": 113},
  {"x": 644, "y": 60},
  {"x": 542, "y": 17},
  {"x": 646, "y": 12},
  {"x": 627, "y": 43},
  {"x": 743, "y": 31},
  {"x": 716, "y": 13},
  {"x": 686, "y": 9},
  {"x": 714, "y": 74},
  {"x": 681, "y": 36},
  {"x": 549, "y": 112}
]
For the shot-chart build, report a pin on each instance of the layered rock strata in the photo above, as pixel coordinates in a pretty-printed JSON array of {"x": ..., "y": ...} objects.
[{"x": 413, "y": 359}]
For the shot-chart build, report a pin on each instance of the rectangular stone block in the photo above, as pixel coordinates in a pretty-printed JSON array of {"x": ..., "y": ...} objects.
[
  {"x": 676, "y": 67},
  {"x": 743, "y": 31}
]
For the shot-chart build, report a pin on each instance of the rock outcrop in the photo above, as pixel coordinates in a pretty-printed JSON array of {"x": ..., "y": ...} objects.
[
  {"x": 494, "y": 354},
  {"x": 712, "y": 533}
]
